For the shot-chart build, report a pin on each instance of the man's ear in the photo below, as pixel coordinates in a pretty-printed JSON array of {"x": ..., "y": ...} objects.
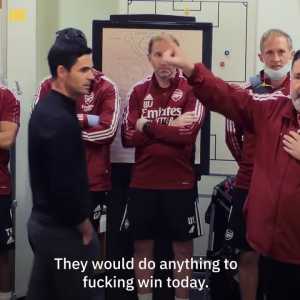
[
  {"x": 292, "y": 54},
  {"x": 61, "y": 71},
  {"x": 260, "y": 57}
]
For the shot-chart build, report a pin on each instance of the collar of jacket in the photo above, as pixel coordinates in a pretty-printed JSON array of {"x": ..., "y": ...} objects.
[
  {"x": 289, "y": 111},
  {"x": 267, "y": 81},
  {"x": 68, "y": 102}
]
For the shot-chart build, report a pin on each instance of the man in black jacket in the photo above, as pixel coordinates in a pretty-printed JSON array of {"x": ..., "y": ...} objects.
[{"x": 60, "y": 233}]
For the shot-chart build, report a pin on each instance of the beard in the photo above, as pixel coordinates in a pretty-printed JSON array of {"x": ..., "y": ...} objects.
[
  {"x": 296, "y": 103},
  {"x": 295, "y": 96}
]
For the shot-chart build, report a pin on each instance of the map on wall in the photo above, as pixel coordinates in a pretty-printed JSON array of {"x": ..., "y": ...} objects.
[
  {"x": 124, "y": 60},
  {"x": 233, "y": 51}
]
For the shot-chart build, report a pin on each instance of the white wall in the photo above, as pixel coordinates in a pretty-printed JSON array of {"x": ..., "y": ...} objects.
[
  {"x": 80, "y": 14},
  {"x": 3, "y": 34},
  {"x": 54, "y": 15},
  {"x": 21, "y": 67},
  {"x": 47, "y": 24}
]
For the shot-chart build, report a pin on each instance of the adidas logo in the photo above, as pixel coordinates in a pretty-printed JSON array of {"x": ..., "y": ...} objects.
[
  {"x": 126, "y": 224},
  {"x": 192, "y": 229},
  {"x": 148, "y": 101},
  {"x": 10, "y": 240},
  {"x": 148, "y": 98},
  {"x": 9, "y": 233}
]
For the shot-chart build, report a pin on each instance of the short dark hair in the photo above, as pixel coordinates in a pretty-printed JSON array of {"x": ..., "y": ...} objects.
[
  {"x": 296, "y": 57},
  {"x": 65, "y": 53},
  {"x": 71, "y": 35}
]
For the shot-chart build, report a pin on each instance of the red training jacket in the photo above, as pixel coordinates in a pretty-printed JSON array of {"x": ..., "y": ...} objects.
[
  {"x": 164, "y": 155},
  {"x": 9, "y": 112},
  {"x": 242, "y": 143},
  {"x": 273, "y": 206}
]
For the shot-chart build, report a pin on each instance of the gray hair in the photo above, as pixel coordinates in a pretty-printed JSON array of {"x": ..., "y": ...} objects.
[{"x": 275, "y": 32}]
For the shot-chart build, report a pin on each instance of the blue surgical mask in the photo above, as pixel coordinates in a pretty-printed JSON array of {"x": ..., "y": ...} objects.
[{"x": 277, "y": 74}]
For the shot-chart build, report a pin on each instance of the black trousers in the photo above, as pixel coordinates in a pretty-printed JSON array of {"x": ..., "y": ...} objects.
[
  {"x": 51, "y": 279},
  {"x": 282, "y": 280}
]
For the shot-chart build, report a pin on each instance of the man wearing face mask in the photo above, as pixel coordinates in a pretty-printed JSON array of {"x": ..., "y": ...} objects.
[{"x": 276, "y": 53}]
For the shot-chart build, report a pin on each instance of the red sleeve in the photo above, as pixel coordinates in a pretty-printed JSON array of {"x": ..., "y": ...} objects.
[
  {"x": 10, "y": 107},
  {"x": 234, "y": 139},
  {"x": 105, "y": 132},
  {"x": 42, "y": 91},
  {"x": 130, "y": 136},
  {"x": 232, "y": 102},
  {"x": 179, "y": 135}
]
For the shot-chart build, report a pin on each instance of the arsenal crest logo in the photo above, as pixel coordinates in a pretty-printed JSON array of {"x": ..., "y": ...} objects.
[
  {"x": 88, "y": 104},
  {"x": 177, "y": 95}
]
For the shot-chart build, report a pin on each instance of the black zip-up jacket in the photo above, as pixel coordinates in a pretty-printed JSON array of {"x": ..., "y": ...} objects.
[{"x": 58, "y": 171}]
